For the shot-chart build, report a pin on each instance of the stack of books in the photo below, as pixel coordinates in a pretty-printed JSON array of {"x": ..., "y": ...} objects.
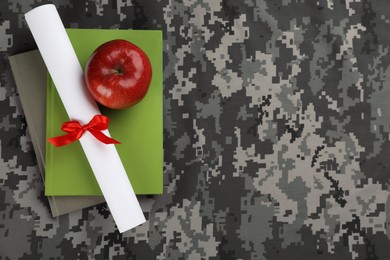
[{"x": 69, "y": 181}]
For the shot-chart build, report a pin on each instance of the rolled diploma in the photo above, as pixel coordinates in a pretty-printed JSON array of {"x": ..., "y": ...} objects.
[{"x": 65, "y": 69}]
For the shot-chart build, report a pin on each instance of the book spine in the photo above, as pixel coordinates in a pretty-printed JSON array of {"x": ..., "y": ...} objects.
[{"x": 27, "y": 111}]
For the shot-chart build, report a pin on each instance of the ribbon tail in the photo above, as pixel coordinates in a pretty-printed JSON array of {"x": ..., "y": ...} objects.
[
  {"x": 64, "y": 139},
  {"x": 102, "y": 137}
]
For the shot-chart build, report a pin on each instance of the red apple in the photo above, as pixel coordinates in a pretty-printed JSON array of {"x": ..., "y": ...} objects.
[{"x": 118, "y": 74}]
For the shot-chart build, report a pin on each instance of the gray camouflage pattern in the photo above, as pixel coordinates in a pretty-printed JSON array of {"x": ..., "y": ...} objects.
[{"x": 276, "y": 135}]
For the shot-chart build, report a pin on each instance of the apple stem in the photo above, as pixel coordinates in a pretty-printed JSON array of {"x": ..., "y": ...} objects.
[{"x": 117, "y": 71}]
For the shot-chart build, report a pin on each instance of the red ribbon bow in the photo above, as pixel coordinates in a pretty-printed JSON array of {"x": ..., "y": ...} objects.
[{"x": 75, "y": 130}]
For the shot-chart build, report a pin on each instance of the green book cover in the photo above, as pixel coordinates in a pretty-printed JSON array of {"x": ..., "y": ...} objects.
[{"x": 139, "y": 128}]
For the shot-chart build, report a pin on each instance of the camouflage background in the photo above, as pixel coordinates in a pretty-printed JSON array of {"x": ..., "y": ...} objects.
[{"x": 276, "y": 134}]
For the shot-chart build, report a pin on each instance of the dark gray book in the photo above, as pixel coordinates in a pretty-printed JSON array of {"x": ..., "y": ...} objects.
[{"x": 30, "y": 75}]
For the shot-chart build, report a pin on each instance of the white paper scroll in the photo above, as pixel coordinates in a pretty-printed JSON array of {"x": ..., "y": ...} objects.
[{"x": 64, "y": 68}]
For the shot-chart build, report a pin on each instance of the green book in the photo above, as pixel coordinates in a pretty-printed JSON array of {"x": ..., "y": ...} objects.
[{"x": 139, "y": 128}]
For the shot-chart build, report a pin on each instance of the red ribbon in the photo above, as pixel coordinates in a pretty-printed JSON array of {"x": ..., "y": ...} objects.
[{"x": 75, "y": 130}]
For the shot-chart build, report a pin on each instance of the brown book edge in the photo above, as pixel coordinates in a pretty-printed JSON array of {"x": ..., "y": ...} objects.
[{"x": 59, "y": 204}]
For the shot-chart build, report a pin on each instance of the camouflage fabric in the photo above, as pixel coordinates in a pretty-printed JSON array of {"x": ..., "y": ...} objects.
[{"x": 276, "y": 135}]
